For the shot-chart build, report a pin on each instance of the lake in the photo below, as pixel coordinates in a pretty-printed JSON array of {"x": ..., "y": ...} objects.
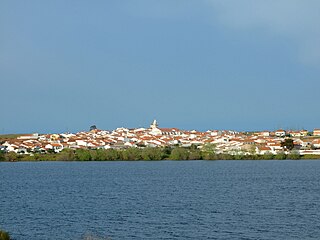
[{"x": 161, "y": 200}]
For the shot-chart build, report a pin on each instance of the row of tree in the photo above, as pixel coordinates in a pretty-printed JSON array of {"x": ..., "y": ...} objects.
[{"x": 134, "y": 154}]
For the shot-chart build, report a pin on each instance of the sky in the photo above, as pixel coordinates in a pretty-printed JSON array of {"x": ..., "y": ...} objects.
[{"x": 192, "y": 64}]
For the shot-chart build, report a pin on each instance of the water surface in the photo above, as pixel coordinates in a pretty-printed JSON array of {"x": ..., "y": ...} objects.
[{"x": 161, "y": 200}]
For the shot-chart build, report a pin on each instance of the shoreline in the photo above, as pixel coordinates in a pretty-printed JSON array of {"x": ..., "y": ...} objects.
[{"x": 163, "y": 160}]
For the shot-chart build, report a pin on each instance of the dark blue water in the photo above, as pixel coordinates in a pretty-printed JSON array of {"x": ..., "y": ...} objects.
[{"x": 161, "y": 200}]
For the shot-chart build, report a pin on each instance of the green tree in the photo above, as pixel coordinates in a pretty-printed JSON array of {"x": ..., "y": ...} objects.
[
  {"x": 224, "y": 156},
  {"x": 11, "y": 156},
  {"x": 131, "y": 154},
  {"x": 288, "y": 144},
  {"x": 152, "y": 154},
  {"x": 93, "y": 127},
  {"x": 280, "y": 156},
  {"x": 294, "y": 155},
  {"x": 268, "y": 156},
  {"x": 208, "y": 151},
  {"x": 2, "y": 158},
  {"x": 83, "y": 155},
  {"x": 179, "y": 153},
  {"x": 195, "y": 155},
  {"x": 112, "y": 154},
  {"x": 99, "y": 155},
  {"x": 66, "y": 154}
]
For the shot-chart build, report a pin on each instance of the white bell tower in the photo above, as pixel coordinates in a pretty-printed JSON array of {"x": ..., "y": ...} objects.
[{"x": 154, "y": 124}]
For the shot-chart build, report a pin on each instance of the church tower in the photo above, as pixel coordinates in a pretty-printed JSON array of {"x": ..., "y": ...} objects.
[
  {"x": 154, "y": 124},
  {"x": 154, "y": 129}
]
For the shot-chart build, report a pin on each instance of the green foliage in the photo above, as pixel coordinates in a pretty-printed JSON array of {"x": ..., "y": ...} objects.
[
  {"x": 82, "y": 155},
  {"x": 4, "y": 235},
  {"x": 280, "y": 156},
  {"x": 153, "y": 154},
  {"x": 131, "y": 154},
  {"x": 224, "y": 156},
  {"x": 11, "y": 156},
  {"x": 195, "y": 155},
  {"x": 179, "y": 153},
  {"x": 135, "y": 154},
  {"x": 66, "y": 154},
  {"x": 2, "y": 158},
  {"x": 288, "y": 144},
  {"x": 93, "y": 127},
  {"x": 208, "y": 152},
  {"x": 240, "y": 156},
  {"x": 166, "y": 151},
  {"x": 208, "y": 156},
  {"x": 112, "y": 154},
  {"x": 293, "y": 155},
  {"x": 311, "y": 156},
  {"x": 49, "y": 157},
  {"x": 268, "y": 156},
  {"x": 209, "y": 148}
]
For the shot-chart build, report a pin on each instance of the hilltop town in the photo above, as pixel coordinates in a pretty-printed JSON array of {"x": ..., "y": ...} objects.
[{"x": 224, "y": 142}]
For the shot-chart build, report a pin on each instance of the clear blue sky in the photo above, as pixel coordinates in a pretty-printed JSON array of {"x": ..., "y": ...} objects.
[{"x": 201, "y": 64}]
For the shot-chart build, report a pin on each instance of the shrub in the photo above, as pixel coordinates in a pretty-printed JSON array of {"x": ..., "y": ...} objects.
[
  {"x": 280, "y": 156},
  {"x": 11, "y": 156},
  {"x": 179, "y": 154},
  {"x": 2, "y": 158},
  {"x": 293, "y": 155}
]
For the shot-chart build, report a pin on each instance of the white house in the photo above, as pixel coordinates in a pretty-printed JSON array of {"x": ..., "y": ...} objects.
[
  {"x": 264, "y": 134},
  {"x": 316, "y": 132},
  {"x": 264, "y": 150},
  {"x": 280, "y": 133},
  {"x": 56, "y": 147},
  {"x": 29, "y": 136}
]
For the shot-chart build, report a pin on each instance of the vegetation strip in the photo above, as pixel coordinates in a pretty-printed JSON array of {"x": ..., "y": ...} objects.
[{"x": 135, "y": 154}]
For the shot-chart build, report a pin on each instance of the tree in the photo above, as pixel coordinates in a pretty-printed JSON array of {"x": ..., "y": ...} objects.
[
  {"x": 11, "y": 156},
  {"x": 288, "y": 144},
  {"x": 280, "y": 156},
  {"x": 194, "y": 155},
  {"x": 66, "y": 154},
  {"x": 2, "y": 158},
  {"x": 93, "y": 127},
  {"x": 83, "y": 155},
  {"x": 179, "y": 153},
  {"x": 152, "y": 154},
  {"x": 268, "y": 156},
  {"x": 131, "y": 154},
  {"x": 98, "y": 155},
  {"x": 208, "y": 151},
  {"x": 294, "y": 155}
]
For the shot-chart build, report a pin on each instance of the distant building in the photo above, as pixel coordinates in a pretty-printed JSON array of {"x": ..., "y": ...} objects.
[
  {"x": 29, "y": 136},
  {"x": 170, "y": 131},
  {"x": 304, "y": 132},
  {"x": 264, "y": 134},
  {"x": 280, "y": 133},
  {"x": 316, "y": 132}
]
